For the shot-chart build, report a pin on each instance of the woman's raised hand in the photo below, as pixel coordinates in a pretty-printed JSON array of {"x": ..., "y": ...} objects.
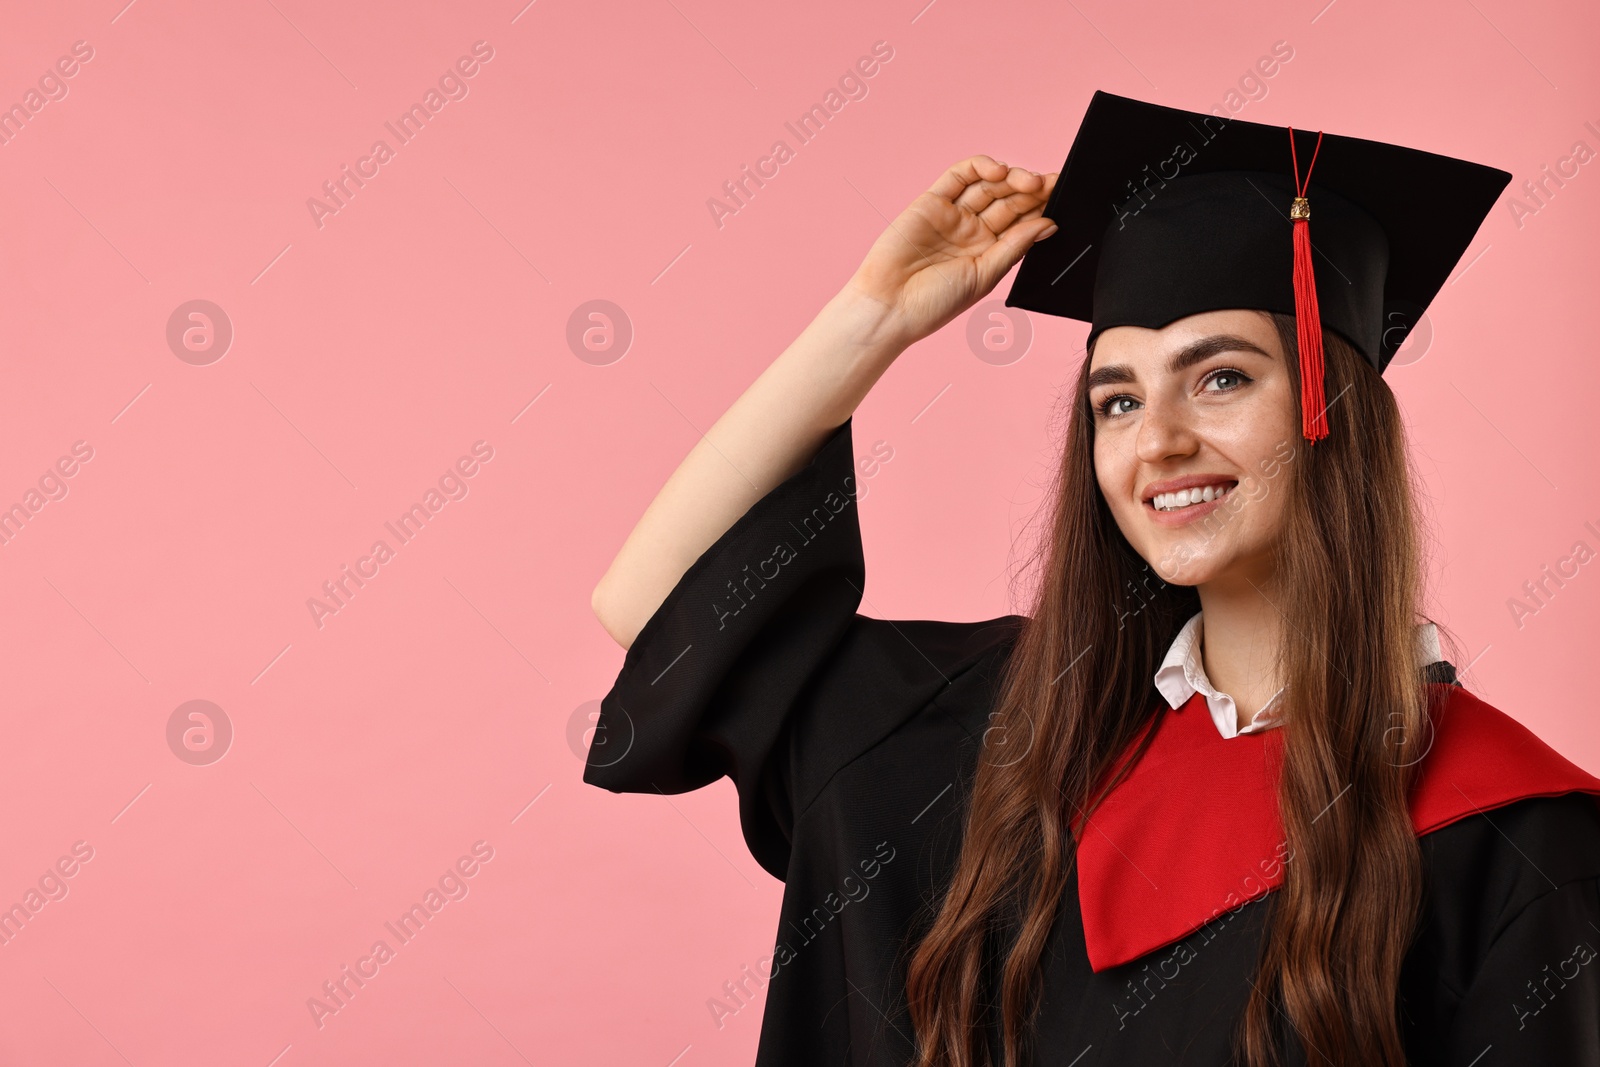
[
  {"x": 944, "y": 252},
  {"x": 953, "y": 244}
]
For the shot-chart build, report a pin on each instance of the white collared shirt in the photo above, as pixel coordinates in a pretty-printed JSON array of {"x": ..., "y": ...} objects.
[{"x": 1182, "y": 675}]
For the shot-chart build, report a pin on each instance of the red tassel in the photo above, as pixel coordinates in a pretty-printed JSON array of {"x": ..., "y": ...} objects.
[
  {"x": 1308, "y": 327},
  {"x": 1308, "y": 321}
]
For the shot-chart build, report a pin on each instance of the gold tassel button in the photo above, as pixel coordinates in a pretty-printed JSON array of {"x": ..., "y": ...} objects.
[{"x": 1300, "y": 209}]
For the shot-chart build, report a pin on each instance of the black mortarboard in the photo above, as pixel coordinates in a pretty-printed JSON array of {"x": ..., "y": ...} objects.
[{"x": 1165, "y": 213}]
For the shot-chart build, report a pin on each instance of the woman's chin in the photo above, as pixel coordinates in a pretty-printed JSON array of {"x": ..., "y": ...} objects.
[{"x": 1183, "y": 564}]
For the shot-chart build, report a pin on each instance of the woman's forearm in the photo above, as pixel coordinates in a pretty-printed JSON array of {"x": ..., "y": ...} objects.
[
  {"x": 771, "y": 431},
  {"x": 943, "y": 253}
]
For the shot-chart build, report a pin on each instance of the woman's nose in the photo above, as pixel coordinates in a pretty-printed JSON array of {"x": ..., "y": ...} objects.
[{"x": 1164, "y": 430}]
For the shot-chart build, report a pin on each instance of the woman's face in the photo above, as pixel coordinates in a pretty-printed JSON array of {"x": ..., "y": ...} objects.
[{"x": 1201, "y": 410}]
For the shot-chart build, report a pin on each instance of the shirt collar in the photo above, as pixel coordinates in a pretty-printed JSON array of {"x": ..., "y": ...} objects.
[{"x": 1182, "y": 674}]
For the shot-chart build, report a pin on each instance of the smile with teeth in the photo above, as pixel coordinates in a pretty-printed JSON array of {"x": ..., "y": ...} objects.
[{"x": 1187, "y": 497}]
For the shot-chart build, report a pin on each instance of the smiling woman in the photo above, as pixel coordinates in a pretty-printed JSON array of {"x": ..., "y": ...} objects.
[
  {"x": 1222, "y": 400},
  {"x": 1207, "y": 401},
  {"x": 1216, "y": 798}
]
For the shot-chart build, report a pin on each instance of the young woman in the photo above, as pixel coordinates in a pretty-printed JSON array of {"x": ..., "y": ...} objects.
[{"x": 1215, "y": 798}]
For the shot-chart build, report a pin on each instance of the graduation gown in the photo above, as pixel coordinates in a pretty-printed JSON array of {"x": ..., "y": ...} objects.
[{"x": 853, "y": 741}]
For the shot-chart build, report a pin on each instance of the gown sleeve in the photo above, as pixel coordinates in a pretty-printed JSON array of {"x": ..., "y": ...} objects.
[
  {"x": 756, "y": 665},
  {"x": 1536, "y": 995}
]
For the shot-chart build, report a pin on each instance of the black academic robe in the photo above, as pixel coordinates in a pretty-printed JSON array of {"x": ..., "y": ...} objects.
[{"x": 853, "y": 740}]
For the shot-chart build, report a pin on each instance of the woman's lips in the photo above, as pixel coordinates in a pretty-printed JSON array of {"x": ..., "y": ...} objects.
[
  {"x": 1164, "y": 511},
  {"x": 1195, "y": 492}
]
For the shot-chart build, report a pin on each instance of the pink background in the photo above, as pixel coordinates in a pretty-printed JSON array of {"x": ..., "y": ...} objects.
[{"x": 444, "y": 703}]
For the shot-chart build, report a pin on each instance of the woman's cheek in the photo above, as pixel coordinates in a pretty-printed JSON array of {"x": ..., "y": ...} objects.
[{"x": 1108, "y": 477}]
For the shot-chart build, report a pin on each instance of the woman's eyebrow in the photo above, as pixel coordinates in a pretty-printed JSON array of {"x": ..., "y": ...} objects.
[
  {"x": 1210, "y": 346},
  {"x": 1116, "y": 374},
  {"x": 1188, "y": 356}
]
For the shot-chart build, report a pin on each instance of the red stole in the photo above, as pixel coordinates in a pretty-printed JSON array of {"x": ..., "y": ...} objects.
[{"x": 1194, "y": 830}]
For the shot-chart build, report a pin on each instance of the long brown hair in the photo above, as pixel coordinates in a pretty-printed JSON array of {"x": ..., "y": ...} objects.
[{"x": 1079, "y": 684}]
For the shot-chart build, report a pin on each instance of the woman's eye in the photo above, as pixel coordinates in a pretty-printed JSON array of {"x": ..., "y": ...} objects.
[
  {"x": 1116, "y": 405},
  {"x": 1226, "y": 380}
]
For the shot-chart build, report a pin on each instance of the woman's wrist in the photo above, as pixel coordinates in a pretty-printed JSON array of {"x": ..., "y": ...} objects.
[
  {"x": 874, "y": 323},
  {"x": 846, "y": 349}
]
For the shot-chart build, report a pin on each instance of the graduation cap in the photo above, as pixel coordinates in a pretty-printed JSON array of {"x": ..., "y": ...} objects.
[{"x": 1165, "y": 213}]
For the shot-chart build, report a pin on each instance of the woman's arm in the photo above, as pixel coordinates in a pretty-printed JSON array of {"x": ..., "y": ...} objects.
[{"x": 946, "y": 251}]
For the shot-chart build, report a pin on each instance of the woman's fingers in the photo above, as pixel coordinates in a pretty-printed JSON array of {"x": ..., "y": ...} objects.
[
  {"x": 1009, "y": 247},
  {"x": 1034, "y": 191},
  {"x": 953, "y": 182},
  {"x": 981, "y": 194},
  {"x": 975, "y": 183},
  {"x": 977, "y": 197},
  {"x": 994, "y": 194},
  {"x": 954, "y": 242}
]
